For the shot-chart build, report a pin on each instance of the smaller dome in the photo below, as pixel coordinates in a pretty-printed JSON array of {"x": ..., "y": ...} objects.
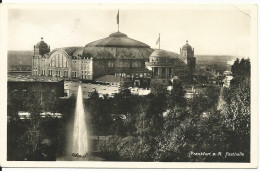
[
  {"x": 41, "y": 44},
  {"x": 160, "y": 53},
  {"x": 186, "y": 46}
]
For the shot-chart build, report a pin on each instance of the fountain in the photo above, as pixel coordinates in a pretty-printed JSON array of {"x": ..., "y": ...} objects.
[
  {"x": 80, "y": 135},
  {"x": 78, "y": 147}
]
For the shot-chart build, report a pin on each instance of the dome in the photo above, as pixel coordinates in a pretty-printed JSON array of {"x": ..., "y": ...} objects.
[
  {"x": 160, "y": 53},
  {"x": 186, "y": 46},
  {"x": 117, "y": 46},
  {"x": 118, "y": 39},
  {"x": 167, "y": 56},
  {"x": 41, "y": 44}
]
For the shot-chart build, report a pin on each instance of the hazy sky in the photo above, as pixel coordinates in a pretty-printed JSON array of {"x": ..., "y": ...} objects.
[{"x": 210, "y": 31}]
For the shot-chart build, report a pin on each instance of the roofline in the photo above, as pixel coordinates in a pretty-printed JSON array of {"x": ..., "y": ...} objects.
[
  {"x": 119, "y": 46},
  {"x": 62, "y": 49},
  {"x": 89, "y": 44}
]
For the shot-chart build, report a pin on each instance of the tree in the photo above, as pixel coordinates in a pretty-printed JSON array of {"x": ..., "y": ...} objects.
[
  {"x": 177, "y": 95},
  {"x": 236, "y": 109},
  {"x": 32, "y": 136},
  {"x": 204, "y": 101},
  {"x": 94, "y": 107},
  {"x": 171, "y": 144},
  {"x": 158, "y": 88}
]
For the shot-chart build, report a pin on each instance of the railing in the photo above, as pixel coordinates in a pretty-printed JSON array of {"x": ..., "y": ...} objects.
[{"x": 158, "y": 64}]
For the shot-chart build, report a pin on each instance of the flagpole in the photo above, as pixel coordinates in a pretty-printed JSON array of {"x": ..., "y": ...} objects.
[
  {"x": 118, "y": 20},
  {"x": 159, "y": 41}
]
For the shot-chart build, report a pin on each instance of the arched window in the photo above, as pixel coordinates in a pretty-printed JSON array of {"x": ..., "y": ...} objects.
[
  {"x": 60, "y": 60},
  {"x": 56, "y": 61},
  {"x": 64, "y": 61}
]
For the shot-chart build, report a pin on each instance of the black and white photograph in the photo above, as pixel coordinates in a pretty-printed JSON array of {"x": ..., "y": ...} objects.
[{"x": 104, "y": 83}]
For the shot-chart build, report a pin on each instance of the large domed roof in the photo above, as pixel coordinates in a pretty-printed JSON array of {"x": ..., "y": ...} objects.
[
  {"x": 118, "y": 39},
  {"x": 116, "y": 46},
  {"x": 186, "y": 46}
]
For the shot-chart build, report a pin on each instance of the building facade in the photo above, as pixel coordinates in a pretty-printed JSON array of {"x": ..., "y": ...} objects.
[
  {"x": 133, "y": 62},
  {"x": 187, "y": 54},
  {"x": 165, "y": 65}
]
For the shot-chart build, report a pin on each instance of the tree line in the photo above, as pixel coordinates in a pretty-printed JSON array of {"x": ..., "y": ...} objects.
[{"x": 162, "y": 126}]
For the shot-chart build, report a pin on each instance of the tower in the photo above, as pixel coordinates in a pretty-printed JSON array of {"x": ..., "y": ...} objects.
[
  {"x": 40, "y": 49},
  {"x": 187, "y": 52}
]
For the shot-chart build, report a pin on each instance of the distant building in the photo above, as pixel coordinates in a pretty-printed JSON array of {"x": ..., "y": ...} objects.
[
  {"x": 165, "y": 65},
  {"x": 227, "y": 73},
  {"x": 44, "y": 89},
  {"x": 187, "y": 54},
  {"x": 128, "y": 61},
  {"x": 227, "y": 80}
]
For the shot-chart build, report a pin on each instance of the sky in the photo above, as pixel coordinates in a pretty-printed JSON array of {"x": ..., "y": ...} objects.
[{"x": 214, "y": 30}]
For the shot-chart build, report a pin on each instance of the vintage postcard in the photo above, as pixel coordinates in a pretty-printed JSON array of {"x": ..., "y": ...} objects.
[{"x": 129, "y": 85}]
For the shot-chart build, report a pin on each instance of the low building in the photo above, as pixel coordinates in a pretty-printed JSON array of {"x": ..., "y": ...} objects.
[{"x": 21, "y": 87}]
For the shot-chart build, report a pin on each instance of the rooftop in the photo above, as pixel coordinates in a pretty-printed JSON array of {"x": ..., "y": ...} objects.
[
  {"x": 118, "y": 39},
  {"x": 30, "y": 78},
  {"x": 108, "y": 78}
]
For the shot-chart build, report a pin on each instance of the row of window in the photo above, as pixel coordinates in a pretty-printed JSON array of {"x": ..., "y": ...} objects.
[
  {"x": 124, "y": 64},
  {"x": 85, "y": 74},
  {"x": 51, "y": 73},
  {"x": 133, "y": 75},
  {"x": 85, "y": 66},
  {"x": 163, "y": 71},
  {"x": 158, "y": 60}
]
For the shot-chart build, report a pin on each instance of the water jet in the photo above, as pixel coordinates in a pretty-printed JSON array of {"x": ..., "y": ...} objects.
[{"x": 79, "y": 144}]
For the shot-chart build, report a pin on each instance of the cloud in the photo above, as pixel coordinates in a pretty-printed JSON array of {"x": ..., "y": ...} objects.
[{"x": 208, "y": 31}]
